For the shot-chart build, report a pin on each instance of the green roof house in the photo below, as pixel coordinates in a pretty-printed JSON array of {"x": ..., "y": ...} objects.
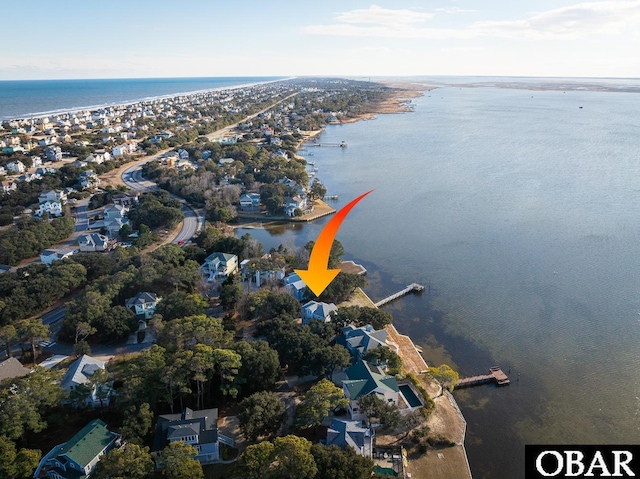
[
  {"x": 363, "y": 379},
  {"x": 77, "y": 458}
]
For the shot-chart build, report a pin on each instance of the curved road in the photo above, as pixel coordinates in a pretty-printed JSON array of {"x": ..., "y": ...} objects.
[{"x": 193, "y": 222}]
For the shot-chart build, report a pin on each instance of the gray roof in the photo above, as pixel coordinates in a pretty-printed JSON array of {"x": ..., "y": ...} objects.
[
  {"x": 363, "y": 339},
  {"x": 319, "y": 309},
  {"x": 202, "y": 423},
  {"x": 80, "y": 371},
  {"x": 140, "y": 299},
  {"x": 343, "y": 433},
  {"x": 12, "y": 368}
]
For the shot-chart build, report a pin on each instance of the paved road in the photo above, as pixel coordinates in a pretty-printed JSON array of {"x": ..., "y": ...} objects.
[{"x": 193, "y": 222}]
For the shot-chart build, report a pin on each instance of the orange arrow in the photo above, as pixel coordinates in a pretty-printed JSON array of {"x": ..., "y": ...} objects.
[{"x": 318, "y": 277}]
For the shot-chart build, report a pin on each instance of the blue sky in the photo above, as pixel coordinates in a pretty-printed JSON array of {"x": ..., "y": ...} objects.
[{"x": 159, "y": 38}]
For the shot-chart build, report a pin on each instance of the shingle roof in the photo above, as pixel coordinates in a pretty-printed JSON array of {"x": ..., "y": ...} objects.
[
  {"x": 12, "y": 368},
  {"x": 203, "y": 423},
  {"x": 80, "y": 370},
  {"x": 349, "y": 433},
  {"x": 90, "y": 441},
  {"x": 141, "y": 298},
  {"x": 365, "y": 378}
]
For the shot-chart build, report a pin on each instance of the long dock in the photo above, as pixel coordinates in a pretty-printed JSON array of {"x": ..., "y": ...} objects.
[
  {"x": 413, "y": 287},
  {"x": 495, "y": 375},
  {"x": 320, "y": 145}
]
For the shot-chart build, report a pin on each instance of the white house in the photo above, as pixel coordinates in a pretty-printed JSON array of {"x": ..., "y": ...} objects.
[
  {"x": 89, "y": 179},
  {"x": 48, "y": 256},
  {"x": 78, "y": 385},
  {"x": 53, "y": 208},
  {"x": 317, "y": 311},
  {"x": 8, "y": 186},
  {"x": 52, "y": 195},
  {"x": 143, "y": 304},
  {"x": 291, "y": 204},
  {"x": 15, "y": 167},
  {"x": 127, "y": 148},
  {"x": 78, "y": 457},
  {"x": 249, "y": 201},
  {"x": 220, "y": 265},
  {"x": 93, "y": 242}
]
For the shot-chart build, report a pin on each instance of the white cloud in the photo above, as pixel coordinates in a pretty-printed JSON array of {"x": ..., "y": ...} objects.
[
  {"x": 454, "y": 10},
  {"x": 574, "y": 21},
  {"x": 376, "y": 15}
]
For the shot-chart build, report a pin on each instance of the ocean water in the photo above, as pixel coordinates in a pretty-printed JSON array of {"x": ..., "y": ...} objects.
[
  {"x": 520, "y": 209},
  {"x": 26, "y": 98}
]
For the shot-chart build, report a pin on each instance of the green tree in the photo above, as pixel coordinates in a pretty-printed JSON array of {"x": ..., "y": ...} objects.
[
  {"x": 130, "y": 461},
  {"x": 230, "y": 293},
  {"x": 335, "y": 463},
  {"x": 117, "y": 324},
  {"x": 137, "y": 423},
  {"x": 444, "y": 375},
  {"x": 8, "y": 334},
  {"x": 256, "y": 461},
  {"x": 81, "y": 347},
  {"x": 180, "y": 305},
  {"x": 178, "y": 462},
  {"x": 335, "y": 255},
  {"x": 261, "y": 414},
  {"x": 34, "y": 331},
  {"x": 17, "y": 464},
  {"x": 260, "y": 369},
  {"x": 387, "y": 413},
  {"x": 342, "y": 287},
  {"x": 187, "y": 332},
  {"x": 293, "y": 458},
  {"x": 383, "y": 356},
  {"x": 26, "y": 400},
  {"x": 317, "y": 191},
  {"x": 317, "y": 403},
  {"x": 227, "y": 364}
]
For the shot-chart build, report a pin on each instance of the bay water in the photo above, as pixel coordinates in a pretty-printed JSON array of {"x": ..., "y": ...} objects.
[{"x": 520, "y": 210}]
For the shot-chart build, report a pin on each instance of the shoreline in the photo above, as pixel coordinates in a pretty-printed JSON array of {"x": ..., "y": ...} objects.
[{"x": 139, "y": 101}]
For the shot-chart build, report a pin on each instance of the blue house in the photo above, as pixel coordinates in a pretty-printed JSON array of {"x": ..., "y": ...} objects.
[
  {"x": 294, "y": 285},
  {"x": 344, "y": 433}
]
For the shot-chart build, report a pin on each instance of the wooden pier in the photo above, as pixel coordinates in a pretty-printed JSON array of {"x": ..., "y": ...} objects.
[
  {"x": 342, "y": 144},
  {"x": 496, "y": 375},
  {"x": 414, "y": 287}
]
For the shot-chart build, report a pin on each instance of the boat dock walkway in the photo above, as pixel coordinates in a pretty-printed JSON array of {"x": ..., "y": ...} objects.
[
  {"x": 495, "y": 375},
  {"x": 341, "y": 145},
  {"x": 409, "y": 289}
]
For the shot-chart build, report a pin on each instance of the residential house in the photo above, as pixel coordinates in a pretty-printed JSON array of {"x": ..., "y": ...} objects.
[
  {"x": 197, "y": 428},
  {"x": 36, "y": 161},
  {"x": 183, "y": 154},
  {"x": 93, "y": 242},
  {"x": 8, "y": 186},
  {"x": 249, "y": 201},
  {"x": 126, "y": 199},
  {"x": 12, "y": 368},
  {"x": 115, "y": 218},
  {"x": 45, "y": 171},
  {"x": 294, "y": 285},
  {"x": 300, "y": 191},
  {"x": 15, "y": 167},
  {"x": 77, "y": 383},
  {"x": 143, "y": 305},
  {"x": 359, "y": 341},
  {"x": 52, "y": 208},
  {"x": 220, "y": 265},
  {"x": 48, "y": 256},
  {"x": 48, "y": 140},
  {"x": 4, "y": 268},
  {"x": 77, "y": 458},
  {"x": 3, "y": 172},
  {"x": 317, "y": 311},
  {"x": 89, "y": 179},
  {"x": 52, "y": 195},
  {"x": 53, "y": 153},
  {"x": 261, "y": 270},
  {"x": 292, "y": 204},
  {"x": 225, "y": 161},
  {"x": 344, "y": 433},
  {"x": 127, "y": 148},
  {"x": 363, "y": 379}
]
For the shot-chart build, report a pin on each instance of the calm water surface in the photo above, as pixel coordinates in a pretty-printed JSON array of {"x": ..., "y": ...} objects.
[{"x": 521, "y": 210}]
